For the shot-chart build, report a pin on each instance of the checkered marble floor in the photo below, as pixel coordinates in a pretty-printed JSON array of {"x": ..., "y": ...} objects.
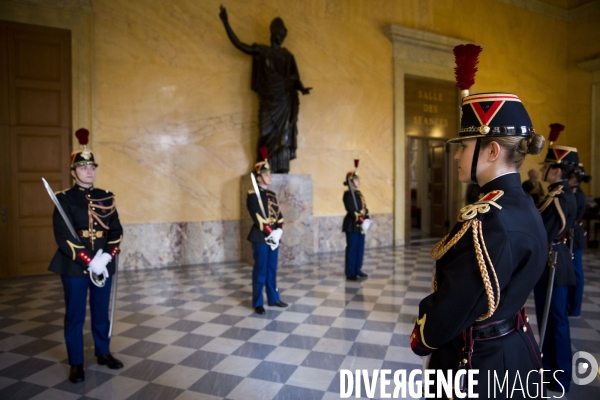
[{"x": 190, "y": 332}]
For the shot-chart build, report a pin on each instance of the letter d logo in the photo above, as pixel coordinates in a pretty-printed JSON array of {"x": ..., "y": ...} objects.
[{"x": 585, "y": 364}]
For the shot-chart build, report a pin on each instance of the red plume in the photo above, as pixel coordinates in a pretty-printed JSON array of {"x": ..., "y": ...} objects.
[
  {"x": 264, "y": 153},
  {"x": 356, "y": 163},
  {"x": 83, "y": 136},
  {"x": 555, "y": 130},
  {"x": 466, "y": 57}
]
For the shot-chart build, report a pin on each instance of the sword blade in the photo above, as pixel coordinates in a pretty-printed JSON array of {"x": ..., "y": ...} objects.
[
  {"x": 352, "y": 192},
  {"x": 60, "y": 210},
  {"x": 258, "y": 196}
]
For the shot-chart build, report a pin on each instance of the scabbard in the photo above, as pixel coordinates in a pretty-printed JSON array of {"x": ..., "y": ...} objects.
[{"x": 113, "y": 295}]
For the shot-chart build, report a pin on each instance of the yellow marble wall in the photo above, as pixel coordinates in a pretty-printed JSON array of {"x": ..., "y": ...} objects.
[
  {"x": 584, "y": 45},
  {"x": 175, "y": 122},
  {"x": 174, "y": 119}
]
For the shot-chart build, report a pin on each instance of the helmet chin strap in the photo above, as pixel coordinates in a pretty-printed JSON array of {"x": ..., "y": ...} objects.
[{"x": 474, "y": 162}]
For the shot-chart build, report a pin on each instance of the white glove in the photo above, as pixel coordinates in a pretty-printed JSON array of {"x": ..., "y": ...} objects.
[
  {"x": 366, "y": 225},
  {"x": 98, "y": 263},
  {"x": 276, "y": 235}
]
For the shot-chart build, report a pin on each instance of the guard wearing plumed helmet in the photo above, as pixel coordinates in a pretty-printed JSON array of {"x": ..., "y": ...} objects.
[
  {"x": 559, "y": 213},
  {"x": 86, "y": 262},
  {"x": 356, "y": 224},
  {"x": 488, "y": 264},
  {"x": 265, "y": 236}
]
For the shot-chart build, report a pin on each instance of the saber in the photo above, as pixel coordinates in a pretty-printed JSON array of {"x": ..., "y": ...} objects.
[
  {"x": 548, "y": 299},
  {"x": 113, "y": 297},
  {"x": 352, "y": 192},
  {"x": 61, "y": 211},
  {"x": 93, "y": 277},
  {"x": 258, "y": 196}
]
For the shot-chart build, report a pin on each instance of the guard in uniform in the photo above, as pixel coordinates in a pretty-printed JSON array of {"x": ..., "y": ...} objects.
[
  {"x": 579, "y": 240},
  {"x": 265, "y": 235},
  {"x": 356, "y": 224},
  {"x": 558, "y": 210},
  {"x": 490, "y": 261},
  {"x": 93, "y": 214}
]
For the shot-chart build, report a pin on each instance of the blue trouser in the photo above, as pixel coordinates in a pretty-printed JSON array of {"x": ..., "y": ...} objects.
[
  {"x": 355, "y": 249},
  {"x": 576, "y": 292},
  {"x": 264, "y": 274},
  {"x": 76, "y": 290},
  {"x": 557, "y": 341}
]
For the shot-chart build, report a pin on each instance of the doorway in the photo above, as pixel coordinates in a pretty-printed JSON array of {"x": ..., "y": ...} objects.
[
  {"x": 35, "y": 132},
  {"x": 431, "y": 189}
]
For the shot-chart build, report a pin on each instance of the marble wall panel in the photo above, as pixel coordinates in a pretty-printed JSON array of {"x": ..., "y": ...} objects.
[
  {"x": 331, "y": 238},
  {"x": 159, "y": 245}
]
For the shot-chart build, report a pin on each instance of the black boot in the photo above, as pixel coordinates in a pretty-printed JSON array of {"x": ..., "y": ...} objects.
[
  {"x": 110, "y": 361},
  {"x": 76, "y": 374}
]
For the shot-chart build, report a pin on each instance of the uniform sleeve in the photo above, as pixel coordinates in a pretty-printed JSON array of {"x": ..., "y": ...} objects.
[
  {"x": 67, "y": 244},
  {"x": 581, "y": 204},
  {"x": 553, "y": 222},
  {"x": 461, "y": 298},
  {"x": 351, "y": 208},
  {"x": 115, "y": 234},
  {"x": 256, "y": 214}
]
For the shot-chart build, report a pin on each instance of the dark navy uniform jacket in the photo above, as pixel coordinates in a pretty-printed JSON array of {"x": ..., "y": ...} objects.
[
  {"x": 355, "y": 215},
  {"x": 558, "y": 210},
  {"x": 262, "y": 226},
  {"x": 94, "y": 217},
  {"x": 579, "y": 239},
  {"x": 516, "y": 242}
]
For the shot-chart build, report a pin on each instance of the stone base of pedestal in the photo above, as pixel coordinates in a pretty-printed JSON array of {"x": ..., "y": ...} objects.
[{"x": 295, "y": 195}]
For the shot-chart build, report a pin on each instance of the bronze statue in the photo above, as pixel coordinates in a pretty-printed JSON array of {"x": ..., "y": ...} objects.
[{"x": 276, "y": 80}]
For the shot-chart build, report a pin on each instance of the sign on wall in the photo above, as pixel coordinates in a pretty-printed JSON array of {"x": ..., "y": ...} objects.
[{"x": 431, "y": 108}]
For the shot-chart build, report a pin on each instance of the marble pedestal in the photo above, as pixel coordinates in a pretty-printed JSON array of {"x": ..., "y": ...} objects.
[{"x": 295, "y": 195}]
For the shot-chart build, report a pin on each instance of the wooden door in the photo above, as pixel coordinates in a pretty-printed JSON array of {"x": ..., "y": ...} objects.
[
  {"x": 35, "y": 134},
  {"x": 437, "y": 168}
]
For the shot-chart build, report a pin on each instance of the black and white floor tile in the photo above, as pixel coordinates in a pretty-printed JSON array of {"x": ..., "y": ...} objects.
[{"x": 190, "y": 332}]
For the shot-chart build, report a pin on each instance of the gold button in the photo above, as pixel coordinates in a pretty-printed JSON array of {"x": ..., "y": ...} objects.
[
  {"x": 524, "y": 328},
  {"x": 95, "y": 223},
  {"x": 527, "y": 319},
  {"x": 85, "y": 272}
]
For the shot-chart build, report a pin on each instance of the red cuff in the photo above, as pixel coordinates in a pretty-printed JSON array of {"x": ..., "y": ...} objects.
[
  {"x": 415, "y": 344},
  {"x": 361, "y": 219},
  {"x": 114, "y": 251},
  {"x": 268, "y": 229},
  {"x": 84, "y": 257}
]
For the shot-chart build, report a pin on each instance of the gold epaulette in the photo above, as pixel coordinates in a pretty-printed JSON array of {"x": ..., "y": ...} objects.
[
  {"x": 467, "y": 217},
  {"x": 550, "y": 197},
  {"x": 250, "y": 191}
]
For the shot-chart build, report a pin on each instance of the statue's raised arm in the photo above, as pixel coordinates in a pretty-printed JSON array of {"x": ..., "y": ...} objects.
[{"x": 234, "y": 39}]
